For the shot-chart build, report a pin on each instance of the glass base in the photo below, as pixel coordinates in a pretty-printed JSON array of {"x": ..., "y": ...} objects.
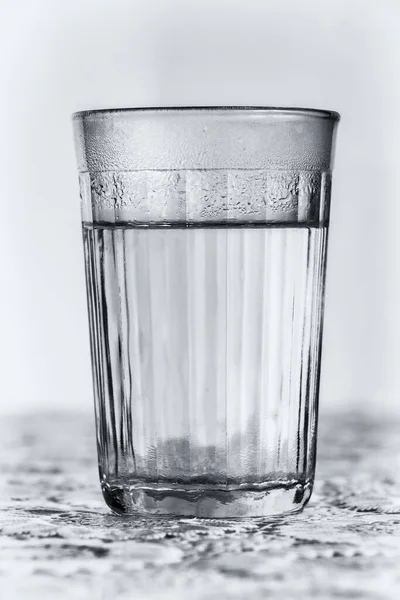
[{"x": 206, "y": 502}]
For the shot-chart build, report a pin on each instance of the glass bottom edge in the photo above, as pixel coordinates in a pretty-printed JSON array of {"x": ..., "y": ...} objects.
[{"x": 207, "y": 502}]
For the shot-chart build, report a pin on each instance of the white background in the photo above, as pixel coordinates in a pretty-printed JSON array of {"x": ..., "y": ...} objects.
[{"x": 59, "y": 57}]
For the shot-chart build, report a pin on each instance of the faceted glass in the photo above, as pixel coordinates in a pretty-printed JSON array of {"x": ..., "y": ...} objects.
[{"x": 205, "y": 237}]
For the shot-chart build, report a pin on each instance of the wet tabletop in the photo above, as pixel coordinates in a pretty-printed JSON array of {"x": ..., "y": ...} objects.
[{"x": 58, "y": 539}]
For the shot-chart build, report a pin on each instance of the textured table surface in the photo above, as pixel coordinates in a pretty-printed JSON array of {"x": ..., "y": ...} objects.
[{"x": 58, "y": 539}]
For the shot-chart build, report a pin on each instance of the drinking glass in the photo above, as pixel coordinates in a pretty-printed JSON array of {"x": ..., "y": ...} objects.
[{"x": 205, "y": 238}]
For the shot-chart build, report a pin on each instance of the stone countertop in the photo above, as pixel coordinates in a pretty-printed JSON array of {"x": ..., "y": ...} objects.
[{"x": 58, "y": 539}]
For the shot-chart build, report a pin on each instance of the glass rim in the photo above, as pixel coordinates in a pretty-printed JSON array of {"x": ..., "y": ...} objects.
[{"x": 315, "y": 113}]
